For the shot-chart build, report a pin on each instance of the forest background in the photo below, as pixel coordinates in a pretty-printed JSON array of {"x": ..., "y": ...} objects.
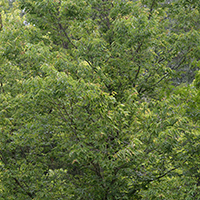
[{"x": 99, "y": 99}]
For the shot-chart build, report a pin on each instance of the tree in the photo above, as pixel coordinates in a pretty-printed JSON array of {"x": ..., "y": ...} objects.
[{"x": 88, "y": 104}]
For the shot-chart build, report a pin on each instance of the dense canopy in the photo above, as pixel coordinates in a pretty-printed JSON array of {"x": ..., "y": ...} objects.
[{"x": 99, "y": 99}]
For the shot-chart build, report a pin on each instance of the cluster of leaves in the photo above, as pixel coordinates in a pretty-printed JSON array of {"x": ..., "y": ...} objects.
[{"x": 88, "y": 103}]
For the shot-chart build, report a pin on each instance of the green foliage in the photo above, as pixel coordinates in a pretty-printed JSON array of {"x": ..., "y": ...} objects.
[{"x": 90, "y": 106}]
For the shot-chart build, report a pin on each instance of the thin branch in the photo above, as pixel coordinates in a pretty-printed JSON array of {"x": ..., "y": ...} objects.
[
  {"x": 1, "y": 23},
  {"x": 138, "y": 71},
  {"x": 63, "y": 116},
  {"x": 61, "y": 27},
  {"x": 22, "y": 187},
  {"x": 139, "y": 47},
  {"x": 151, "y": 9},
  {"x": 2, "y": 87}
]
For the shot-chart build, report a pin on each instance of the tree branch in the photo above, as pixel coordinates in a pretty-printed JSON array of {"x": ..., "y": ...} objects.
[
  {"x": 1, "y": 23},
  {"x": 151, "y": 9},
  {"x": 22, "y": 187}
]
